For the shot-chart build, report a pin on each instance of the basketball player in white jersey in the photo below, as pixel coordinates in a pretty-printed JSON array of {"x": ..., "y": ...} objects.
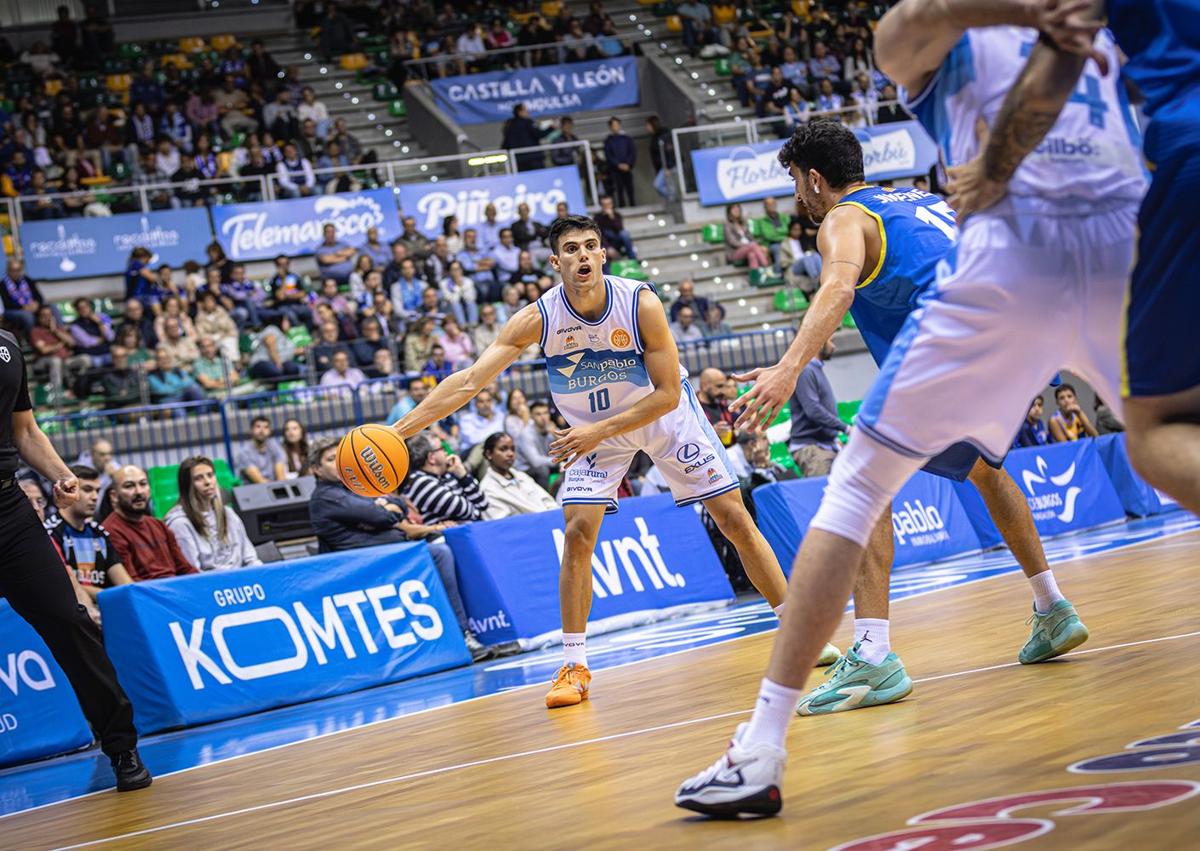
[
  {"x": 615, "y": 375},
  {"x": 1034, "y": 284}
]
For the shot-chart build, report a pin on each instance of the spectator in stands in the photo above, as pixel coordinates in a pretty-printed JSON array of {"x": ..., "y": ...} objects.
[
  {"x": 509, "y": 492},
  {"x": 85, "y": 546},
  {"x": 182, "y": 349},
  {"x": 364, "y": 349},
  {"x": 294, "y": 174},
  {"x": 343, "y": 520},
  {"x": 620, "y": 154},
  {"x": 93, "y": 334},
  {"x": 488, "y": 329},
  {"x": 19, "y": 296},
  {"x": 1033, "y": 431},
  {"x": 337, "y": 34},
  {"x": 327, "y": 345},
  {"x": 478, "y": 264},
  {"x": 815, "y": 422},
  {"x": 459, "y": 348},
  {"x": 210, "y": 534},
  {"x": 100, "y": 456},
  {"x": 528, "y": 234},
  {"x": 295, "y": 448},
  {"x": 54, "y": 348},
  {"x": 697, "y": 22},
  {"x": 311, "y": 109},
  {"x": 488, "y": 231},
  {"x": 823, "y": 65},
  {"x": 827, "y": 99},
  {"x": 533, "y": 445},
  {"x": 439, "y": 486},
  {"x": 438, "y": 261},
  {"x": 612, "y": 229},
  {"x": 260, "y": 65},
  {"x": 521, "y": 132},
  {"x": 474, "y": 426},
  {"x": 687, "y": 298},
  {"x": 64, "y": 35},
  {"x": 526, "y": 272},
  {"x": 376, "y": 250},
  {"x": 273, "y": 356},
  {"x": 763, "y": 471},
  {"x": 684, "y": 329},
  {"x": 341, "y": 373},
  {"x": 437, "y": 367},
  {"x": 214, "y": 371},
  {"x": 516, "y": 412},
  {"x": 712, "y": 398},
  {"x": 774, "y": 228},
  {"x": 418, "y": 389},
  {"x": 169, "y": 383},
  {"x": 739, "y": 245},
  {"x": 1069, "y": 422},
  {"x": 419, "y": 344},
  {"x": 459, "y": 291},
  {"x": 260, "y": 459},
  {"x": 415, "y": 243},
  {"x": 212, "y": 320},
  {"x": 335, "y": 258},
  {"x": 142, "y": 282},
  {"x": 890, "y": 111},
  {"x": 122, "y": 381},
  {"x": 407, "y": 287},
  {"x": 242, "y": 297},
  {"x": 801, "y": 266},
  {"x": 1106, "y": 418},
  {"x": 714, "y": 322},
  {"x": 280, "y": 116},
  {"x": 145, "y": 546}
]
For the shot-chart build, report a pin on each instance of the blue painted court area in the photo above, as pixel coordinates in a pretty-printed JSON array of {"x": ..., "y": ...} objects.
[{"x": 51, "y": 781}]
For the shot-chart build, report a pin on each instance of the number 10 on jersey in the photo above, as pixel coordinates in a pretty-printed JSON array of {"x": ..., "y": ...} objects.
[{"x": 598, "y": 400}]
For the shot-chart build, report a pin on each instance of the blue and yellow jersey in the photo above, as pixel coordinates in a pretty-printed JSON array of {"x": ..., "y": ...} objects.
[
  {"x": 1161, "y": 39},
  {"x": 916, "y": 230}
]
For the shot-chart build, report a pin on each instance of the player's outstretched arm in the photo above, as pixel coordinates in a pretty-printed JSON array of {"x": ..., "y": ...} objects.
[
  {"x": 521, "y": 331},
  {"x": 842, "y": 244},
  {"x": 662, "y": 363}
]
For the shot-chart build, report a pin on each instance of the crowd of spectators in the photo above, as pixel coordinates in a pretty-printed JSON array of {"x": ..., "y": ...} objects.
[{"x": 1068, "y": 422}]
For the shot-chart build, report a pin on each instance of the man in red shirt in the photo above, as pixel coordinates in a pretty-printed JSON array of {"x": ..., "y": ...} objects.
[{"x": 145, "y": 545}]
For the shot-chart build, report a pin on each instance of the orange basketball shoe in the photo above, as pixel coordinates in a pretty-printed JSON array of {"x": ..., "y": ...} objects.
[{"x": 570, "y": 686}]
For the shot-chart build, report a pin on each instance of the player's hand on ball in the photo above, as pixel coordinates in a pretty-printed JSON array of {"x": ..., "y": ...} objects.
[
  {"x": 574, "y": 443},
  {"x": 66, "y": 491},
  {"x": 773, "y": 387},
  {"x": 1072, "y": 26}
]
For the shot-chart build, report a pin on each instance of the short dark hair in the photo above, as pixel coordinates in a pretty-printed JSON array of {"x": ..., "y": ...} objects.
[
  {"x": 1065, "y": 386},
  {"x": 569, "y": 223},
  {"x": 260, "y": 419},
  {"x": 84, "y": 473},
  {"x": 319, "y": 448},
  {"x": 489, "y": 445},
  {"x": 827, "y": 146},
  {"x": 540, "y": 403}
]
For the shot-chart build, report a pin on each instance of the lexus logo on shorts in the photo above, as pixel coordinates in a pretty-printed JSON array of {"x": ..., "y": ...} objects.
[{"x": 687, "y": 453}]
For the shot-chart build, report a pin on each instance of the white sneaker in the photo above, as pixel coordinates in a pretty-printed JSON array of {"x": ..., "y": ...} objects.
[
  {"x": 746, "y": 779},
  {"x": 477, "y": 650}
]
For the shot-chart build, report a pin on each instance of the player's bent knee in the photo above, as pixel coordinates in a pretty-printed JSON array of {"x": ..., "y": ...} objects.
[{"x": 861, "y": 486}]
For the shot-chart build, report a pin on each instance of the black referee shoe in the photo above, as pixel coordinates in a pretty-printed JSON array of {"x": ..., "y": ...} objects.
[{"x": 131, "y": 771}]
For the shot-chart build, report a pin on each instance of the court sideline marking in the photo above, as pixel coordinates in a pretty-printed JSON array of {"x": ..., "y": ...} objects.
[
  {"x": 329, "y": 793},
  {"x": 1013, "y": 567}
]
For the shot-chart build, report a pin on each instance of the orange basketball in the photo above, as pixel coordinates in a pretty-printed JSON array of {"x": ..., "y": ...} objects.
[{"x": 372, "y": 460}]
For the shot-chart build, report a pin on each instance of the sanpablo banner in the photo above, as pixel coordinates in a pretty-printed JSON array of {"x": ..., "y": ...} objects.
[
  {"x": 293, "y": 227},
  {"x": 748, "y": 172},
  {"x": 545, "y": 90},
  {"x": 542, "y": 190}
]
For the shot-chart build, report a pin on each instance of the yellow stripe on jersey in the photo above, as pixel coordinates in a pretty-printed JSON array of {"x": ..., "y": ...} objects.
[{"x": 882, "y": 238}]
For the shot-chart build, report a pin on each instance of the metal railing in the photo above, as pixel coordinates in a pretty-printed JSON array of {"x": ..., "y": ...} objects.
[
  {"x": 143, "y": 191},
  {"x": 158, "y": 435},
  {"x": 430, "y": 67}
]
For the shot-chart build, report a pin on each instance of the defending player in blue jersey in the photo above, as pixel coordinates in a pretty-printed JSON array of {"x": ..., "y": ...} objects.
[
  {"x": 896, "y": 238},
  {"x": 615, "y": 375},
  {"x": 1161, "y": 370}
]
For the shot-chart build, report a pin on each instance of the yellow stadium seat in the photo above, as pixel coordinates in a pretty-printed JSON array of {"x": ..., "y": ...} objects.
[
  {"x": 674, "y": 24},
  {"x": 521, "y": 18},
  {"x": 551, "y": 8},
  {"x": 118, "y": 82},
  {"x": 354, "y": 62},
  {"x": 8, "y": 245},
  {"x": 224, "y": 161},
  {"x": 224, "y": 41},
  {"x": 53, "y": 86},
  {"x": 647, "y": 2},
  {"x": 179, "y": 60},
  {"x": 192, "y": 44}
]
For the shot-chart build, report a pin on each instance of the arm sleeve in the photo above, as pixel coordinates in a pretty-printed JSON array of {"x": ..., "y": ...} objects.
[
  {"x": 810, "y": 401},
  {"x": 185, "y": 539},
  {"x": 182, "y": 565},
  {"x": 354, "y": 510},
  {"x": 437, "y": 501}
]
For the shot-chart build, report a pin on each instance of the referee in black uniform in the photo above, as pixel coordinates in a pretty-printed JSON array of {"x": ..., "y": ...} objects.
[{"x": 35, "y": 582}]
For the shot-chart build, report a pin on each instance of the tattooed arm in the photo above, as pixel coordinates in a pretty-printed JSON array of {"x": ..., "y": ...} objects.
[{"x": 1029, "y": 111}]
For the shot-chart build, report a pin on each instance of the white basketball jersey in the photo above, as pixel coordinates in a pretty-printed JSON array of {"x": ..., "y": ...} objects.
[
  {"x": 1092, "y": 153},
  {"x": 596, "y": 368}
]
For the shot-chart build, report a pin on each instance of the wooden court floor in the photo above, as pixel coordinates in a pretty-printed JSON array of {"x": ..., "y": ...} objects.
[{"x": 502, "y": 772}]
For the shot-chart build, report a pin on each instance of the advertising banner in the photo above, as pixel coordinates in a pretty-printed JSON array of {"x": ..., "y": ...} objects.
[
  {"x": 650, "y": 556},
  {"x": 1066, "y": 485},
  {"x": 545, "y": 90},
  {"x": 749, "y": 172},
  {"x": 928, "y": 521},
  {"x": 293, "y": 226},
  {"x": 1137, "y": 497},
  {"x": 57, "y": 249},
  {"x": 201, "y": 648},
  {"x": 39, "y": 715},
  {"x": 541, "y": 189}
]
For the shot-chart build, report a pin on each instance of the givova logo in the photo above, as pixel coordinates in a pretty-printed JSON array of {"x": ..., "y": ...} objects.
[
  {"x": 637, "y": 560},
  {"x": 257, "y": 631},
  {"x": 921, "y": 523},
  {"x": 1058, "y": 504},
  {"x": 27, "y": 669}
]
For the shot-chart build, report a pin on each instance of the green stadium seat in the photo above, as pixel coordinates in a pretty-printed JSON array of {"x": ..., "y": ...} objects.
[
  {"x": 847, "y": 411},
  {"x": 226, "y": 480},
  {"x": 781, "y": 456},
  {"x": 626, "y": 268},
  {"x": 755, "y": 226},
  {"x": 164, "y": 488},
  {"x": 763, "y": 278},
  {"x": 848, "y": 322},
  {"x": 721, "y": 67},
  {"x": 396, "y": 109},
  {"x": 300, "y": 336},
  {"x": 713, "y": 234},
  {"x": 385, "y": 92},
  {"x": 790, "y": 301}
]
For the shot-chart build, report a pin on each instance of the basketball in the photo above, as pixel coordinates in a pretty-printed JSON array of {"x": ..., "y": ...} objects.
[{"x": 372, "y": 460}]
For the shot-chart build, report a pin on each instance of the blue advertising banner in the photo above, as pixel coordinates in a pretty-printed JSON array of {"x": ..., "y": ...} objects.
[
  {"x": 541, "y": 189},
  {"x": 57, "y": 249},
  {"x": 39, "y": 714},
  {"x": 928, "y": 521},
  {"x": 546, "y": 90},
  {"x": 650, "y": 555},
  {"x": 1066, "y": 486},
  {"x": 293, "y": 226},
  {"x": 1137, "y": 497},
  {"x": 202, "y": 648},
  {"x": 748, "y": 172}
]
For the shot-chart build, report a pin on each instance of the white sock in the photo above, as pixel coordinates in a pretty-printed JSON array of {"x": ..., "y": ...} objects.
[
  {"x": 575, "y": 648},
  {"x": 1045, "y": 591},
  {"x": 876, "y": 640},
  {"x": 775, "y": 707},
  {"x": 778, "y": 610}
]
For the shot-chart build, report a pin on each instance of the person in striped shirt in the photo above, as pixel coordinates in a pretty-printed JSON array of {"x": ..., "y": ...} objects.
[{"x": 439, "y": 486}]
